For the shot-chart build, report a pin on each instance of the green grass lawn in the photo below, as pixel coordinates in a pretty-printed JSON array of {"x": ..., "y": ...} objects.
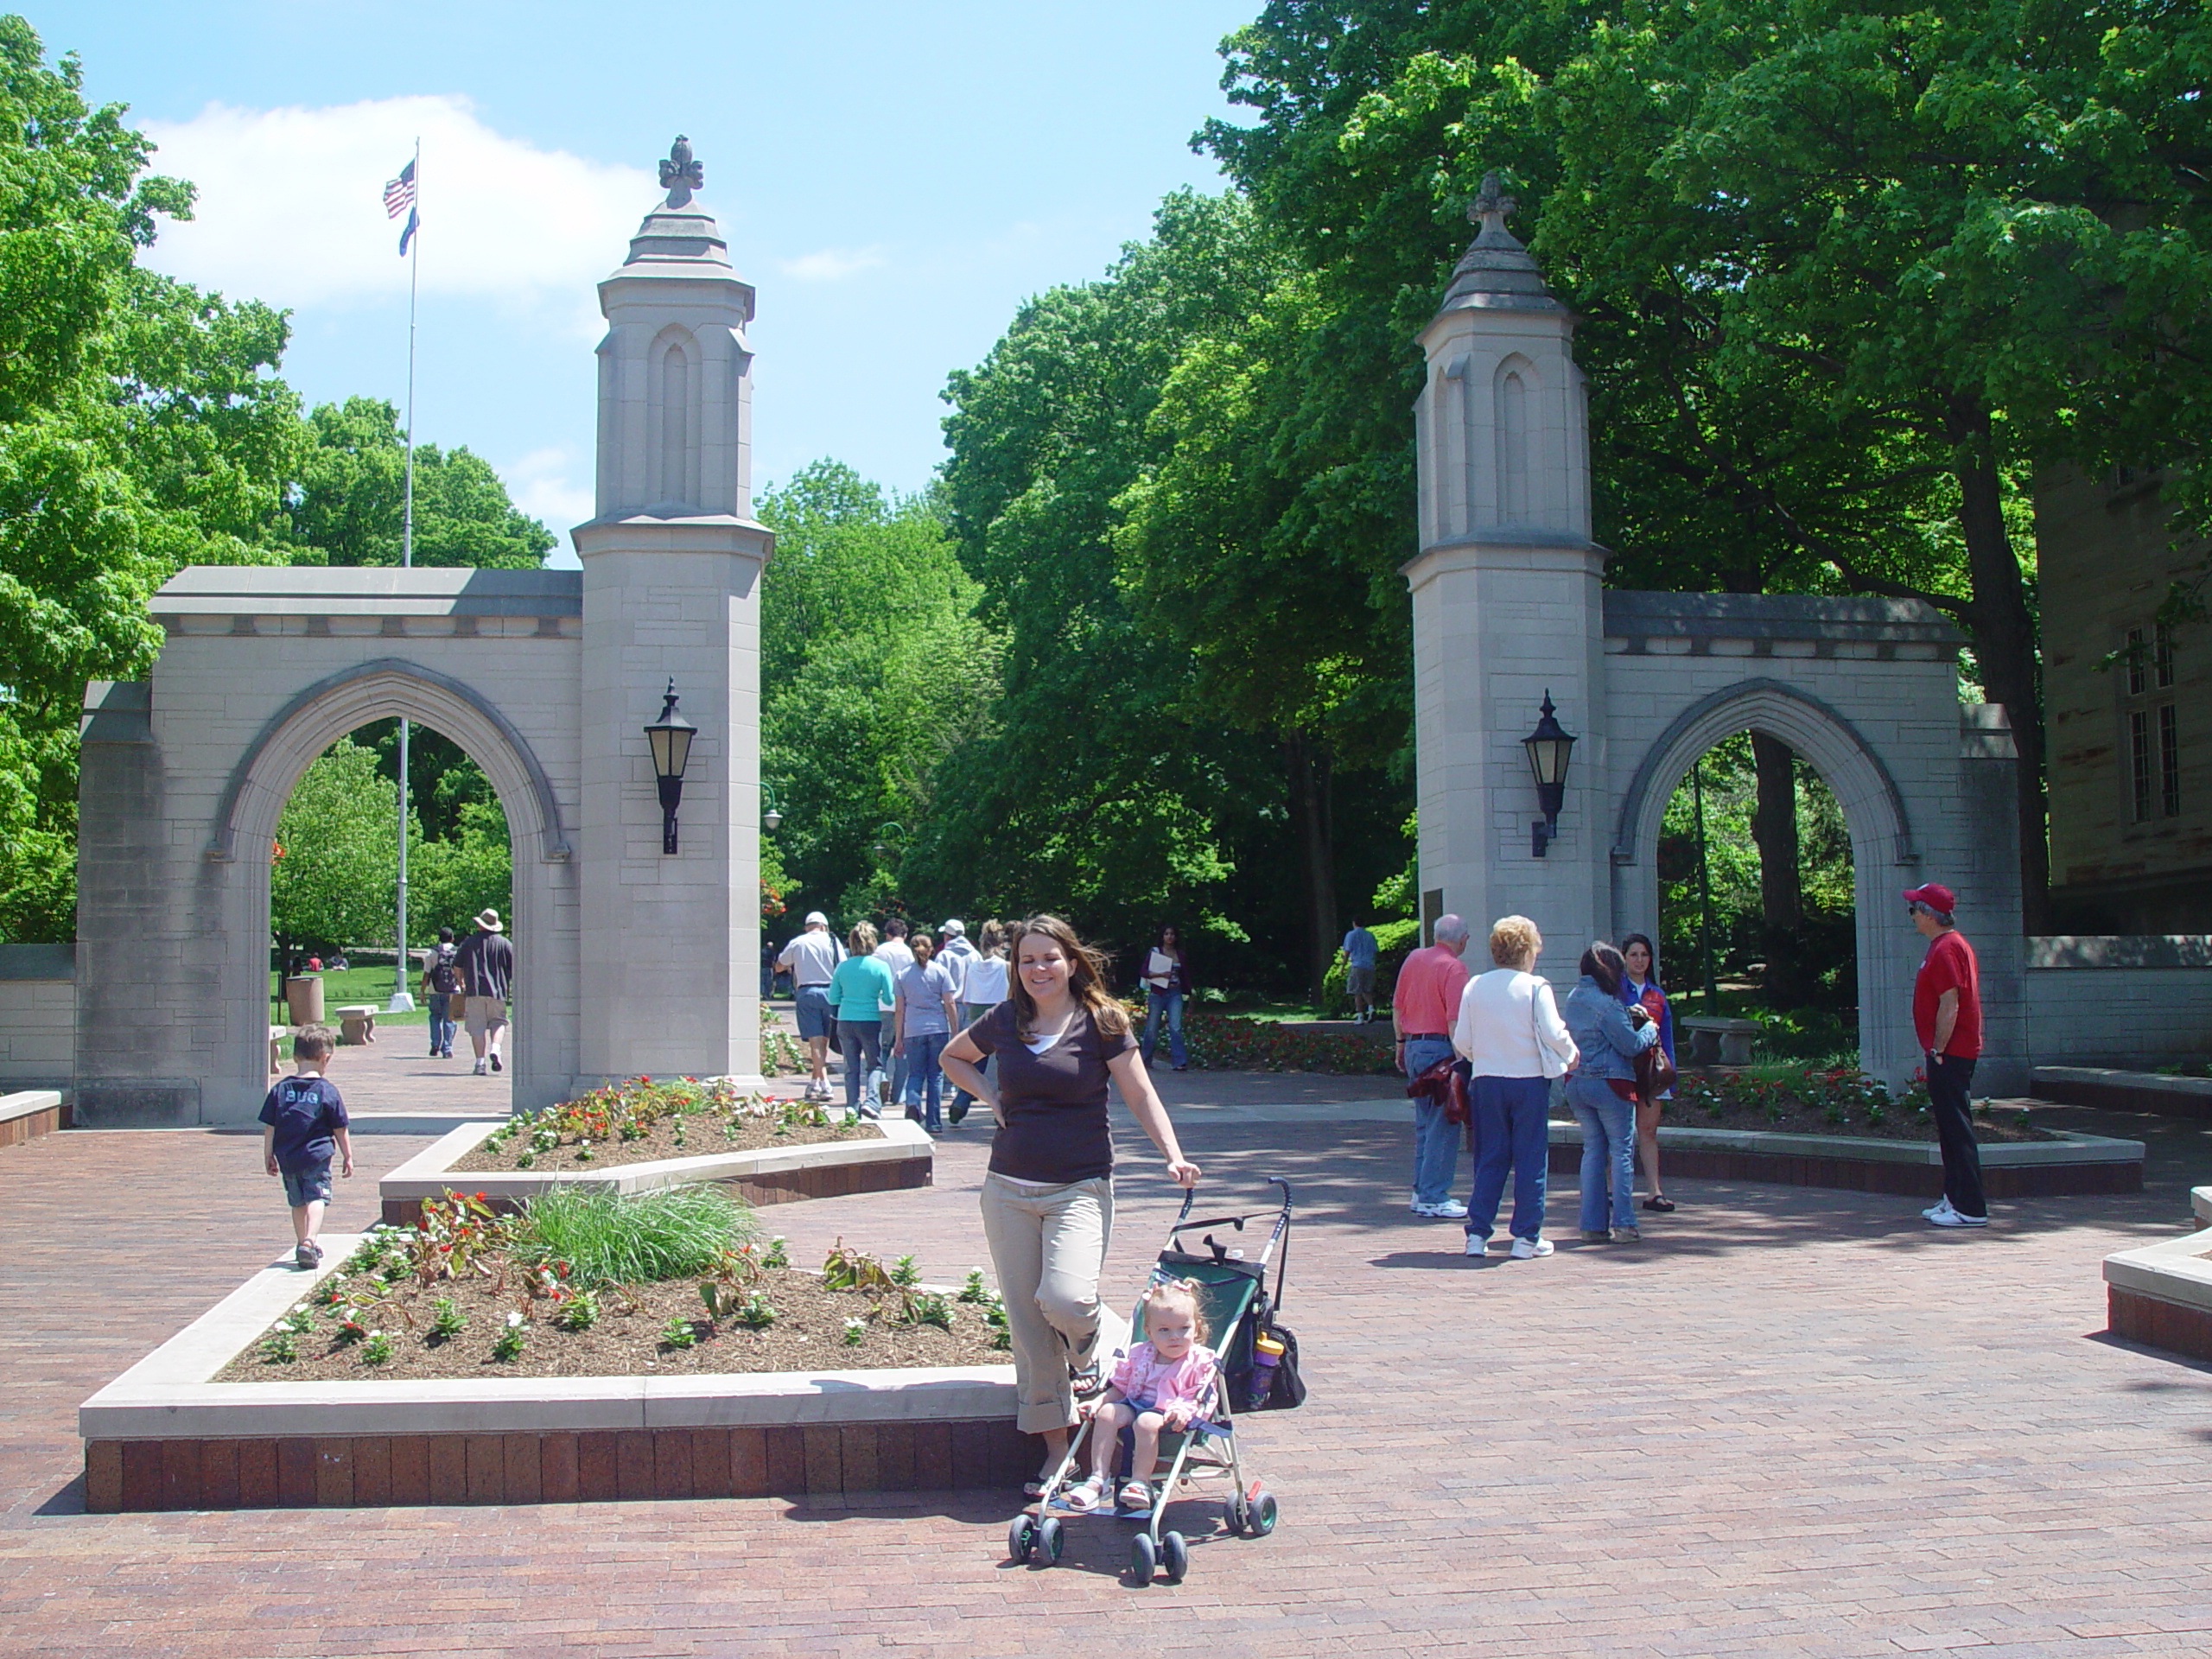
[{"x": 355, "y": 985}]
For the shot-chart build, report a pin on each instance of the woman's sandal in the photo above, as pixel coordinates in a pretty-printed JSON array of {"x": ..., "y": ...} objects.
[
  {"x": 1660, "y": 1202},
  {"x": 1086, "y": 1382}
]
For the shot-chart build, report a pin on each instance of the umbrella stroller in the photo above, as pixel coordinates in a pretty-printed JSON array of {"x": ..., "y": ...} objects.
[{"x": 1233, "y": 1296}]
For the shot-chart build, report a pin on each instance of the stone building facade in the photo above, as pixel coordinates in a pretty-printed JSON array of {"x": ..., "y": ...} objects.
[{"x": 2131, "y": 743}]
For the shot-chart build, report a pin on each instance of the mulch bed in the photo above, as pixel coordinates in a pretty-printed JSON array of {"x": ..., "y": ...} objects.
[
  {"x": 702, "y": 1137},
  {"x": 628, "y": 1337}
]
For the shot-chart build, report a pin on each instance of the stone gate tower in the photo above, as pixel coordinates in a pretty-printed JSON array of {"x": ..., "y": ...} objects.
[
  {"x": 1506, "y": 597},
  {"x": 671, "y": 589}
]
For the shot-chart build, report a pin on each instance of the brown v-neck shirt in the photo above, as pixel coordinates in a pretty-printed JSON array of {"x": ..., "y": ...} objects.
[{"x": 1055, "y": 1103}]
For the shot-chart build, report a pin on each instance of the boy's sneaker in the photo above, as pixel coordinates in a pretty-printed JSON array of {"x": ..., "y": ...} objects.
[
  {"x": 1527, "y": 1249},
  {"x": 306, "y": 1254},
  {"x": 1445, "y": 1209},
  {"x": 1478, "y": 1245},
  {"x": 1954, "y": 1218}
]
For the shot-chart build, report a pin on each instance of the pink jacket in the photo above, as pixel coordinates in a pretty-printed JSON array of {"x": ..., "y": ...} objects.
[{"x": 1142, "y": 1375}]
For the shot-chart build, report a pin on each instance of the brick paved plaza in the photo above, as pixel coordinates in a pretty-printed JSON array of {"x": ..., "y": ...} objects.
[{"x": 1791, "y": 1422}]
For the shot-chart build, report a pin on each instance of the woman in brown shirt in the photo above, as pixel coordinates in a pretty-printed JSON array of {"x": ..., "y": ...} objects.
[{"x": 1048, "y": 1197}]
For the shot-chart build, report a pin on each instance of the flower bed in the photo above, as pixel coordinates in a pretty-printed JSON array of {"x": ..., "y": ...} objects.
[
  {"x": 470, "y": 1292},
  {"x": 1837, "y": 1101},
  {"x": 1227, "y": 1042},
  {"x": 643, "y": 1121}
]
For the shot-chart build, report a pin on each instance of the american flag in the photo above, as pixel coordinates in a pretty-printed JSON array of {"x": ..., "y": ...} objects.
[{"x": 398, "y": 198}]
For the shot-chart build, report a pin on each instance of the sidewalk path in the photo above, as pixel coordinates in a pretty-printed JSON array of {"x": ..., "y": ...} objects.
[{"x": 1792, "y": 1422}]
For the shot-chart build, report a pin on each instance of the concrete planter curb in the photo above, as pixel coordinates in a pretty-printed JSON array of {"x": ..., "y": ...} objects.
[
  {"x": 2161, "y": 1294},
  {"x": 153, "y": 1435},
  {"x": 2073, "y": 1164},
  {"x": 904, "y": 1157},
  {"x": 2114, "y": 1090},
  {"x": 30, "y": 1113}
]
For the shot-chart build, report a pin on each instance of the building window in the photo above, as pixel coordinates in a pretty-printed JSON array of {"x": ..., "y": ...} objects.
[
  {"x": 2162, "y": 656},
  {"x": 2138, "y": 756},
  {"x": 2169, "y": 762},
  {"x": 2136, "y": 665}
]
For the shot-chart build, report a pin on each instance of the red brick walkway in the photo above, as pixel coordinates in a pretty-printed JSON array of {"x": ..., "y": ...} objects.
[{"x": 1792, "y": 1422}]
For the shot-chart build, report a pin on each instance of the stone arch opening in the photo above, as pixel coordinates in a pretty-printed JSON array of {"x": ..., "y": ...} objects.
[
  {"x": 266, "y": 775},
  {"x": 1878, "y": 827}
]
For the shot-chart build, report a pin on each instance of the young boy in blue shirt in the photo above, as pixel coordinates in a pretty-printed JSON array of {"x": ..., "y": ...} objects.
[{"x": 303, "y": 1124}]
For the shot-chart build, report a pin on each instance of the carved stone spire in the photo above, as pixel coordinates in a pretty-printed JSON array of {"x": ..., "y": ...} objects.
[
  {"x": 680, "y": 175},
  {"x": 1496, "y": 273}
]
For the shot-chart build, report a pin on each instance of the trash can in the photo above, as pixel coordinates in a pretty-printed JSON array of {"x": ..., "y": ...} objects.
[{"x": 303, "y": 999}]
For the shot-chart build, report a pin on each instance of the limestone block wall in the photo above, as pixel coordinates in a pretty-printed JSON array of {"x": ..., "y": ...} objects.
[
  {"x": 185, "y": 777},
  {"x": 38, "y": 1015},
  {"x": 2132, "y": 1001}
]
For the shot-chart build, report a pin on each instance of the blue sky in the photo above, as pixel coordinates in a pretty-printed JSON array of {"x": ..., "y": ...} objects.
[{"x": 893, "y": 179}]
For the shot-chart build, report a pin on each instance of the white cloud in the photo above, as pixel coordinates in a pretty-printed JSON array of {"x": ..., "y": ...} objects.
[
  {"x": 832, "y": 264},
  {"x": 554, "y": 484},
  {"x": 290, "y": 204}
]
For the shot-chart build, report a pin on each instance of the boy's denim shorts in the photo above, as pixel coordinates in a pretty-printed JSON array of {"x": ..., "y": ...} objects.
[{"x": 308, "y": 1185}]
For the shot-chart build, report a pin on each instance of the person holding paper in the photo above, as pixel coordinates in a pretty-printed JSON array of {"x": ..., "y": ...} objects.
[{"x": 1166, "y": 982}]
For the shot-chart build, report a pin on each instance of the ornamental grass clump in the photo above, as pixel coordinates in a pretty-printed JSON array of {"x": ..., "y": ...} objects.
[{"x": 628, "y": 1238}]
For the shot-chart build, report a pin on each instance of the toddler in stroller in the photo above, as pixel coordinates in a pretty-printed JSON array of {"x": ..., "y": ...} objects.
[{"x": 1164, "y": 1382}]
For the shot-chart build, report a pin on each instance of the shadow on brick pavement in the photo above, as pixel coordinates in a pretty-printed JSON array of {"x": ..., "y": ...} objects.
[{"x": 1791, "y": 1421}]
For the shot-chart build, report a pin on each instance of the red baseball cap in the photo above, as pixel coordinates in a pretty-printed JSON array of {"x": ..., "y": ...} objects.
[{"x": 1934, "y": 895}]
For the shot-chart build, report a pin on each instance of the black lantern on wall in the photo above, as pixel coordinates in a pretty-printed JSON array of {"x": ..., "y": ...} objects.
[
  {"x": 1548, "y": 748},
  {"x": 670, "y": 737}
]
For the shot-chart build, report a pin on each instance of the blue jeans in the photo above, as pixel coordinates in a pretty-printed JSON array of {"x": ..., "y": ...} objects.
[
  {"x": 1608, "y": 1152},
  {"x": 1436, "y": 1141},
  {"x": 962, "y": 1099},
  {"x": 893, "y": 1065},
  {"x": 1172, "y": 1002},
  {"x": 922, "y": 1074},
  {"x": 441, "y": 1026},
  {"x": 1511, "y": 1114},
  {"x": 857, "y": 1041}
]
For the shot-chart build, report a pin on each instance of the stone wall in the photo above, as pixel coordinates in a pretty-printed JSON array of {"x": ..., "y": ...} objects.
[
  {"x": 38, "y": 1015},
  {"x": 2132, "y": 1003}
]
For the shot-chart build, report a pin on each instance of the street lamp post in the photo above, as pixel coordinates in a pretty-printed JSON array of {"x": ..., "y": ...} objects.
[
  {"x": 670, "y": 737},
  {"x": 1548, "y": 749},
  {"x": 771, "y": 819}
]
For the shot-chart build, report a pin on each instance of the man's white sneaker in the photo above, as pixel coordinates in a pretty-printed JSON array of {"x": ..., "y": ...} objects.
[
  {"x": 1478, "y": 1245},
  {"x": 1525, "y": 1249},
  {"x": 1937, "y": 1210},
  {"x": 1446, "y": 1210},
  {"x": 1953, "y": 1218}
]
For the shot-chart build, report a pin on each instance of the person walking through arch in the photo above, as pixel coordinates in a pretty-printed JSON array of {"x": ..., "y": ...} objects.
[
  {"x": 1510, "y": 1034},
  {"x": 1166, "y": 981},
  {"x": 1360, "y": 950},
  {"x": 813, "y": 957},
  {"x": 486, "y": 962},
  {"x": 441, "y": 984},
  {"x": 1423, "y": 1007},
  {"x": 1947, "y": 1018}
]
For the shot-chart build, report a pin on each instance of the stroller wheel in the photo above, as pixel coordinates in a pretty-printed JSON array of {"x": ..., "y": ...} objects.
[
  {"x": 1021, "y": 1537},
  {"x": 1174, "y": 1556},
  {"x": 1050, "y": 1539},
  {"x": 1235, "y": 1513},
  {"x": 1263, "y": 1513},
  {"x": 1143, "y": 1558}
]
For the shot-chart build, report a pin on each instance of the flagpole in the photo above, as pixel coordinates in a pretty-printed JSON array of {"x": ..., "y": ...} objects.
[{"x": 401, "y": 998}]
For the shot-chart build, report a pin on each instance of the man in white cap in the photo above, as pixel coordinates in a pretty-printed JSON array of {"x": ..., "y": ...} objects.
[
  {"x": 812, "y": 958},
  {"x": 486, "y": 964}
]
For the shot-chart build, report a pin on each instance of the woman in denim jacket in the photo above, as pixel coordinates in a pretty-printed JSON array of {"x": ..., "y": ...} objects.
[{"x": 1610, "y": 1037}]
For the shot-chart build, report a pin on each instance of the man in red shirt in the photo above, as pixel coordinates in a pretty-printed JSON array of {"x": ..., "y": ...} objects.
[
  {"x": 1947, "y": 1018},
  {"x": 1423, "y": 1009}
]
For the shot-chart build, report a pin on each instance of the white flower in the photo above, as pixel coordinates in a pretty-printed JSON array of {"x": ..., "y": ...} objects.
[
  {"x": 514, "y": 1321},
  {"x": 373, "y": 1335}
]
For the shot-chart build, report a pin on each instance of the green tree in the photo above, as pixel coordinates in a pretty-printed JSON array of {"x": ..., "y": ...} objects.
[
  {"x": 452, "y": 880},
  {"x": 332, "y": 885},
  {"x": 349, "y": 506}
]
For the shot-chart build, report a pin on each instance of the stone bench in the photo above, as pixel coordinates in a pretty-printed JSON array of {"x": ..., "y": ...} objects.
[
  {"x": 357, "y": 1023},
  {"x": 1715, "y": 1041}
]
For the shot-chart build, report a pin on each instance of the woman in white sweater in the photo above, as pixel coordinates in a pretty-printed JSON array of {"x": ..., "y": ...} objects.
[{"x": 1511, "y": 1036}]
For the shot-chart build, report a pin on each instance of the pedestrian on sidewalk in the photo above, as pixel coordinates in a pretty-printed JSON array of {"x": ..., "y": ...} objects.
[
  {"x": 858, "y": 991},
  {"x": 1048, "y": 1197},
  {"x": 1947, "y": 1018},
  {"x": 1166, "y": 982},
  {"x": 1510, "y": 1034},
  {"x": 925, "y": 1012},
  {"x": 1640, "y": 989},
  {"x": 813, "y": 957},
  {"x": 1602, "y": 1090},
  {"x": 983, "y": 989},
  {"x": 897, "y": 955},
  {"x": 441, "y": 984},
  {"x": 486, "y": 962},
  {"x": 1360, "y": 950},
  {"x": 1423, "y": 1007},
  {"x": 302, "y": 1127}
]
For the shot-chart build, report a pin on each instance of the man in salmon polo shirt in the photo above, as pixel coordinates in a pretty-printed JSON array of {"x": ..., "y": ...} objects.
[
  {"x": 1422, "y": 1009},
  {"x": 1947, "y": 1018}
]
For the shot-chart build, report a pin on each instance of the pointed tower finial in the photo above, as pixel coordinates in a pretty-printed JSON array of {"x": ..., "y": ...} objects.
[
  {"x": 680, "y": 175},
  {"x": 1491, "y": 206}
]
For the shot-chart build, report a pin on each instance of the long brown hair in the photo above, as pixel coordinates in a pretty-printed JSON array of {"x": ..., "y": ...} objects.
[{"x": 1086, "y": 978}]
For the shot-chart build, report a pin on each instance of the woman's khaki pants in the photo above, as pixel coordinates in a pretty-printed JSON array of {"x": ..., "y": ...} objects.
[{"x": 1048, "y": 1245}]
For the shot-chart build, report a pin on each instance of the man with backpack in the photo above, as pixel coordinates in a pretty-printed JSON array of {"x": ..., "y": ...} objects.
[{"x": 441, "y": 984}]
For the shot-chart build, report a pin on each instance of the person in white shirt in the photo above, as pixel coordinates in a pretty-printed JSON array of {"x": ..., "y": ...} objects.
[
  {"x": 982, "y": 988},
  {"x": 896, "y": 954},
  {"x": 812, "y": 958},
  {"x": 1511, "y": 1036}
]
